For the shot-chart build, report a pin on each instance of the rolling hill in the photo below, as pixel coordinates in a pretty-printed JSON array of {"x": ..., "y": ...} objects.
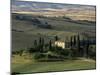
[
  {"x": 25, "y": 31},
  {"x": 74, "y": 11}
]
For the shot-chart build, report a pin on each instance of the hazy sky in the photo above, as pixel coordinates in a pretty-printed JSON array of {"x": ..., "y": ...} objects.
[{"x": 87, "y": 2}]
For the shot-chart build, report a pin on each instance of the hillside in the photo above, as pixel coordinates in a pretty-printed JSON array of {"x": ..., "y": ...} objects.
[{"x": 25, "y": 31}]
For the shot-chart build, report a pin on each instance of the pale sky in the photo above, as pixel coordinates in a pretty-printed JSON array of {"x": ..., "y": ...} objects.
[{"x": 86, "y": 2}]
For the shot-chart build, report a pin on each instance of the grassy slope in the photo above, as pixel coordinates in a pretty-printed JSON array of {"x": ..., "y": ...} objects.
[
  {"x": 26, "y": 66},
  {"x": 61, "y": 27},
  {"x": 30, "y": 32}
]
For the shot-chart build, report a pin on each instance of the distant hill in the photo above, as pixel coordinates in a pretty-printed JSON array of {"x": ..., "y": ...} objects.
[
  {"x": 54, "y": 9},
  {"x": 31, "y": 6}
]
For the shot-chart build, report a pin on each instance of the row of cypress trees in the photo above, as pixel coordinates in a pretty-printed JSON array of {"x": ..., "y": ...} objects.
[
  {"x": 80, "y": 44},
  {"x": 78, "y": 47},
  {"x": 74, "y": 43}
]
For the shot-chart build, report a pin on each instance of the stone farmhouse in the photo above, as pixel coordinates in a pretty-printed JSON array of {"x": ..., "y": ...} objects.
[{"x": 60, "y": 44}]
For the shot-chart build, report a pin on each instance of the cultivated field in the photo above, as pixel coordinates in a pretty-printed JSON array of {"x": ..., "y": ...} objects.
[{"x": 22, "y": 65}]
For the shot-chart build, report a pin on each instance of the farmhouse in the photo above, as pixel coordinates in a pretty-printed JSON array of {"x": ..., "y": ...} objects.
[{"x": 60, "y": 44}]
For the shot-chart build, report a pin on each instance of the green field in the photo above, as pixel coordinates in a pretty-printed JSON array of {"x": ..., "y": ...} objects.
[
  {"x": 25, "y": 32},
  {"x": 60, "y": 27},
  {"x": 22, "y": 65}
]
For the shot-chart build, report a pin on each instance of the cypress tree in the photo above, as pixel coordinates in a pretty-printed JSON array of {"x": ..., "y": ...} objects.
[
  {"x": 39, "y": 46},
  {"x": 83, "y": 45},
  {"x": 42, "y": 43},
  {"x": 86, "y": 45},
  {"x": 87, "y": 48},
  {"x": 78, "y": 44},
  {"x": 66, "y": 42},
  {"x": 40, "y": 40},
  {"x": 56, "y": 38},
  {"x": 50, "y": 44},
  {"x": 74, "y": 40},
  {"x": 83, "y": 42},
  {"x": 35, "y": 43},
  {"x": 71, "y": 41}
]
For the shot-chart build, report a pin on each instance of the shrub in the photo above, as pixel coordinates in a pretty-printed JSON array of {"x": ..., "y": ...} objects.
[
  {"x": 92, "y": 52},
  {"x": 38, "y": 56}
]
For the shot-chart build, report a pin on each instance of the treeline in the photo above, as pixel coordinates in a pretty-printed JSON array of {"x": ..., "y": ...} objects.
[{"x": 48, "y": 51}]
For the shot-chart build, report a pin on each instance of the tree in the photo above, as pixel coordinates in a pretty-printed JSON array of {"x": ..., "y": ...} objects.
[
  {"x": 74, "y": 40},
  {"x": 46, "y": 23},
  {"x": 38, "y": 56},
  {"x": 56, "y": 38},
  {"x": 83, "y": 42},
  {"x": 87, "y": 47},
  {"x": 20, "y": 52},
  {"x": 67, "y": 43},
  {"x": 36, "y": 21},
  {"x": 78, "y": 44},
  {"x": 92, "y": 52},
  {"x": 42, "y": 44},
  {"x": 71, "y": 42},
  {"x": 42, "y": 41},
  {"x": 50, "y": 44},
  {"x": 35, "y": 43},
  {"x": 39, "y": 45}
]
